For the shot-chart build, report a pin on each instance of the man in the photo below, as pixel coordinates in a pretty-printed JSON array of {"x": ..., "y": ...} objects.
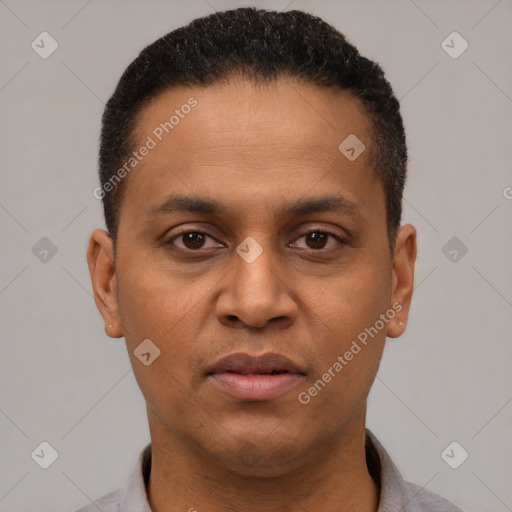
[{"x": 252, "y": 166}]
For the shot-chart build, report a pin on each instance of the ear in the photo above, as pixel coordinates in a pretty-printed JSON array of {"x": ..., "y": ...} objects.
[
  {"x": 100, "y": 258},
  {"x": 404, "y": 260}
]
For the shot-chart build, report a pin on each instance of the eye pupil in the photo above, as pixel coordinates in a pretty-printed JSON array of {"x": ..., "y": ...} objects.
[
  {"x": 319, "y": 239},
  {"x": 193, "y": 240}
]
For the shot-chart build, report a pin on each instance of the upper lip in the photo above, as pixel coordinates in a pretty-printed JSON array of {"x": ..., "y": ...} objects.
[{"x": 244, "y": 364}]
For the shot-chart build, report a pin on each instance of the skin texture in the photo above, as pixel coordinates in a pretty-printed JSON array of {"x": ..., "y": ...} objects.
[{"x": 254, "y": 149}]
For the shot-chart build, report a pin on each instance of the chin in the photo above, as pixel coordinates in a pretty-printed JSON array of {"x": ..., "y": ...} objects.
[{"x": 257, "y": 457}]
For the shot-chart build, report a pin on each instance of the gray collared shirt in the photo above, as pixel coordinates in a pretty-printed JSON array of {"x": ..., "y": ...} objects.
[{"x": 396, "y": 495}]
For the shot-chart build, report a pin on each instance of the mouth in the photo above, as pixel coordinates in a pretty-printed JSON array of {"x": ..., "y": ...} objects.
[{"x": 255, "y": 378}]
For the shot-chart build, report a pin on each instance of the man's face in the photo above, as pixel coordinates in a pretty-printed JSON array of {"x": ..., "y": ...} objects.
[{"x": 254, "y": 151}]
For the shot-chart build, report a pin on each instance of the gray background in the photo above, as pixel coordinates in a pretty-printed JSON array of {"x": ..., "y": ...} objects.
[{"x": 447, "y": 379}]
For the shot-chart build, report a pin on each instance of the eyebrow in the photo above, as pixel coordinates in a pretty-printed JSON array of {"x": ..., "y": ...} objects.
[{"x": 177, "y": 203}]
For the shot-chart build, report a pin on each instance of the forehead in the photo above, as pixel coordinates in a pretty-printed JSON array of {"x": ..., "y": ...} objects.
[
  {"x": 239, "y": 139},
  {"x": 298, "y": 117}
]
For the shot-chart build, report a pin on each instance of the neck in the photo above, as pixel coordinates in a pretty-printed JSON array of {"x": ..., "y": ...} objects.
[{"x": 330, "y": 477}]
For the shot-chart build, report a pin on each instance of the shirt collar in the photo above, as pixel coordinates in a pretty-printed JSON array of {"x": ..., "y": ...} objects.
[
  {"x": 134, "y": 498},
  {"x": 394, "y": 493}
]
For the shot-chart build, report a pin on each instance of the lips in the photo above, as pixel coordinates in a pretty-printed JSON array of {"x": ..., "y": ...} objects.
[
  {"x": 245, "y": 364},
  {"x": 255, "y": 378}
]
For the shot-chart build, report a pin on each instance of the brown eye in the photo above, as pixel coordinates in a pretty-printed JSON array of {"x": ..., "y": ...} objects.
[
  {"x": 190, "y": 240},
  {"x": 317, "y": 239},
  {"x": 193, "y": 240}
]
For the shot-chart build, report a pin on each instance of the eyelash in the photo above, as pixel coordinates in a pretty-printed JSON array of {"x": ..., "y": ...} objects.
[{"x": 341, "y": 241}]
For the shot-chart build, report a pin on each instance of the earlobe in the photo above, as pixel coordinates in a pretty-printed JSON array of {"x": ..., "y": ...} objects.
[
  {"x": 404, "y": 260},
  {"x": 100, "y": 259}
]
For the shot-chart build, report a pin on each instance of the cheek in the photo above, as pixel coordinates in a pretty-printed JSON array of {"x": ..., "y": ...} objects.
[
  {"x": 353, "y": 299},
  {"x": 153, "y": 302},
  {"x": 350, "y": 334},
  {"x": 166, "y": 311},
  {"x": 152, "y": 307}
]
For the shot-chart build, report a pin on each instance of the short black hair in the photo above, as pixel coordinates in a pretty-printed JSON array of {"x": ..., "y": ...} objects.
[{"x": 262, "y": 46}]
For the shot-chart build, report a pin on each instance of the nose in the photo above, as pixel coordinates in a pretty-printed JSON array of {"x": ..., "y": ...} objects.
[{"x": 257, "y": 295}]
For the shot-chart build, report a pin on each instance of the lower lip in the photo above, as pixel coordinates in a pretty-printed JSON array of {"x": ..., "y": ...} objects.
[{"x": 256, "y": 387}]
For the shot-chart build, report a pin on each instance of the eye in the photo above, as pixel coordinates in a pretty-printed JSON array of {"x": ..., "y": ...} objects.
[
  {"x": 318, "y": 239},
  {"x": 191, "y": 240}
]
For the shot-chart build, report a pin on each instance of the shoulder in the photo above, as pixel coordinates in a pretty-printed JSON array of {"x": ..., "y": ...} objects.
[
  {"x": 423, "y": 500},
  {"x": 396, "y": 493},
  {"x": 133, "y": 495},
  {"x": 108, "y": 503}
]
